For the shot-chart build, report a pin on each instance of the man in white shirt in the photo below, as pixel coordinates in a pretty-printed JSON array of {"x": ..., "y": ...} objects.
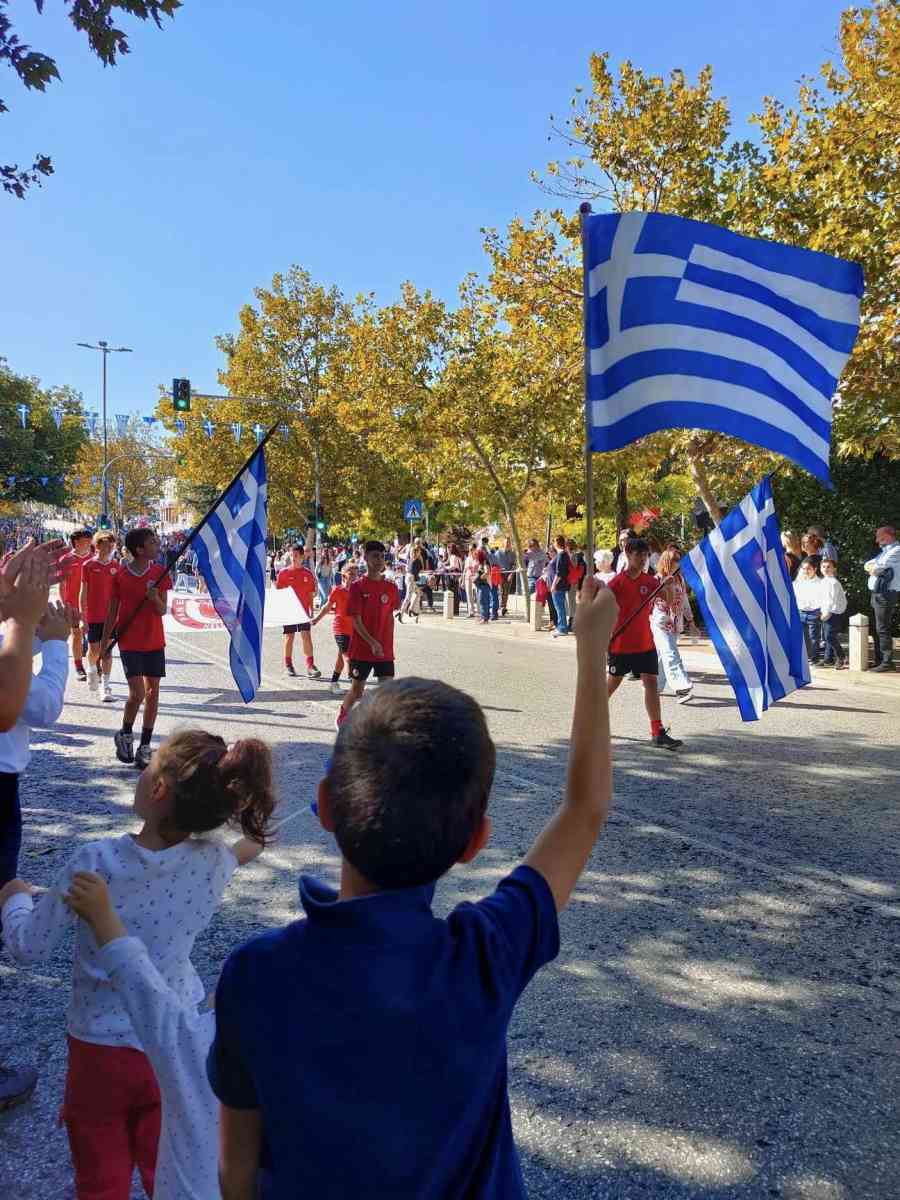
[{"x": 885, "y": 592}]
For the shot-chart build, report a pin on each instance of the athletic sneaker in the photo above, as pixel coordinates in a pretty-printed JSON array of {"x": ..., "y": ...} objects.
[
  {"x": 108, "y": 697},
  {"x": 289, "y": 667},
  {"x": 142, "y": 756},
  {"x": 94, "y": 679},
  {"x": 81, "y": 674},
  {"x": 667, "y": 743},
  {"x": 560, "y": 633},
  {"x": 340, "y": 718},
  {"x": 313, "y": 673},
  {"x": 684, "y": 696},
  {"x": 124, "y": 743},
  {"x": 335, "y": 688}
]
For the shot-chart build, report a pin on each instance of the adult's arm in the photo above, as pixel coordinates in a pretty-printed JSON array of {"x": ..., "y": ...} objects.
[
  {"x": 240, "y": 1139},
  {"x": 24, "y": 590},
  {"x": 44, "y": 701}
]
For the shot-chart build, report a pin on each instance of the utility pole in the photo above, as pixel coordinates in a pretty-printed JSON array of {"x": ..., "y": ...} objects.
[{"x": 105, "y": 349}]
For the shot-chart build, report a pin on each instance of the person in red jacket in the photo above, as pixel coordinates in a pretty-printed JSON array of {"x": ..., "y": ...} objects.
[
  {"x": 97, "y": 576},
  {"x": 305, "y": 585},
  {"x": 70, "y": 566},
  {"x": 634, "y": 648}
]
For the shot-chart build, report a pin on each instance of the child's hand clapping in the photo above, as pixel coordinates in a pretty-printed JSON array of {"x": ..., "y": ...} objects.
[
  {"x": 16, "y": 887},
  {"x": 596, "y": 616},
  {"x": 88, "y": 896}
]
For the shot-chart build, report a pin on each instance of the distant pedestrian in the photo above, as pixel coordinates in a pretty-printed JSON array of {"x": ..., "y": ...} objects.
[
  {"x": 808, "y": 590},
  {"x": 884, "y": 584}
]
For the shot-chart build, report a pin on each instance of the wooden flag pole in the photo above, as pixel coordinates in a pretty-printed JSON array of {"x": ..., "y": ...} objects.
[{"x": 584, "y": 213}]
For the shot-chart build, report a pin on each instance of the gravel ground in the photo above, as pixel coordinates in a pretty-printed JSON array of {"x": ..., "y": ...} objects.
[{"x": 722, "y": 1020}]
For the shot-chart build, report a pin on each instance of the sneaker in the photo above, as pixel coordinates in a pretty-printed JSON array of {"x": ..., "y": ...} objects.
[
  {"x": 683, "y": 697},
  {"x": 16, "y": 1085},
  {"x": 883, "y": 666},
  {"x": 124, "y": 743},
  {"x": 560, "y": 633},
  {"x": 841, "y": 666},
  {"x": 340, "y": 718},
  {"x": 108, "y": 697},
  {"x": 313, "y": 673},
  {"x": 81, "y": 674},
  {"x": 142, "y": 756},
  {"x": 667, "y": 743},
  {"x": 289, "y": 668},
  {"x": 335, "y": 688},
  {"x": 94, "y": 680}
]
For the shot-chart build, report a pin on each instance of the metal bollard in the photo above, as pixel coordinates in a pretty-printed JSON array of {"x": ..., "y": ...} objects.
[
  {"x": 537, "y": 615},
  {"x": 859, "y": 642},
  {"x": 448, "y": 605}
]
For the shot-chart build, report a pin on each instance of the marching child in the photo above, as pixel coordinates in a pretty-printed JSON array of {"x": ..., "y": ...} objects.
[
  {"x": 97, "y": 577},
  {"x": 371, "y": 607},
  {"x": 71, "y": 565},
  {"x": 834, "y": 607},
  {"x": 166, "y": 882},
  {"x": 808, "y": 591},
  {"x": 365, "y": 1046},
  {"x": 299, "y": 577},
  {"x": 343, "y": 626}
]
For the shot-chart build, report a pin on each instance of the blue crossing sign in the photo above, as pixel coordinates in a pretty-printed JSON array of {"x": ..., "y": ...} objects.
[{"x": 412, "y": 510}]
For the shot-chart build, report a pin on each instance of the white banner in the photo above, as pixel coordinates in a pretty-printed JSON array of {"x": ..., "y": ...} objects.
[{"x": 193, "y": 612}]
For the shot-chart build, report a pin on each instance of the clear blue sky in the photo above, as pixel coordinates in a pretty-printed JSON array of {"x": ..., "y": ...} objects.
[{"x": 366, "y": 142}]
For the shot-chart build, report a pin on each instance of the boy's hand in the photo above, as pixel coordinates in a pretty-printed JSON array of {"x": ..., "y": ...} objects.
[
  {"x": 377, "y": 648},
  {"x": 596, "y": 616},
  {"x": 88, "y": 896},
  {"x": 16, "y": 887},
  {"x": 56, "y": 623}
]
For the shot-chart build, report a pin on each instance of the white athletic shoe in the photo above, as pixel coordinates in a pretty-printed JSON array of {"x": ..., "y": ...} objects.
[
  {"x": 685, "y": 696},
  {"x": 93, "y": 679},
  {"x": 335, "y": 688},
  {"x": 108, "y": 697}
]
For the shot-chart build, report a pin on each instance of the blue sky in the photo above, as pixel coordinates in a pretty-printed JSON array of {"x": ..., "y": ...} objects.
[{"x": 368, "y": 143}]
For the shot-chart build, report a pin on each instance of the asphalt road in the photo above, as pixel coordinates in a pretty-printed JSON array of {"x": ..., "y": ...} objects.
[{"x": 722, "y": 1020}]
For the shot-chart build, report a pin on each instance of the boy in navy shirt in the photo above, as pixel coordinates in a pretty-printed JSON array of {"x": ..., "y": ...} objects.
[{"x": 362, "y": 1051}]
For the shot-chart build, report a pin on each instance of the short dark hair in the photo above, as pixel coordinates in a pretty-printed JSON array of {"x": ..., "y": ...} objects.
[
  {"x": 409, "y": 781},
  {"x": 135, "y": 538},
  {"x": 375, "y": 545},
  {"x": 833, "y": 561},
  {"x": 79, "y": 534},
  {"x": 298, "y": 546},
  {"x": 636, "y": 545}
]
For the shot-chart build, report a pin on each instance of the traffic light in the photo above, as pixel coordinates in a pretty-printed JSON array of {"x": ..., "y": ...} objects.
[
  {"x": 181, "y": 395},
  {"x": 320, "y": 518},
  {"x": 103, "y": 521}
]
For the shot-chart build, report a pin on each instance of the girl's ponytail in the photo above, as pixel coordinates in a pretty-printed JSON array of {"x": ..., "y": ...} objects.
[{"x": 213, "y": 786}]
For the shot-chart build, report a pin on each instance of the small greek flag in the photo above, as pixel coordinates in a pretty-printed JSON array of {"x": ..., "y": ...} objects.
[
  {"x": 231, "y": 556},
  {"x": 739, "y": 577},
  {"x": 691, "y": 326}
]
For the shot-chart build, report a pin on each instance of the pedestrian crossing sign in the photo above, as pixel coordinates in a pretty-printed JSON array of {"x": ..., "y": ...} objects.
[{"x": 412, "y": 510}]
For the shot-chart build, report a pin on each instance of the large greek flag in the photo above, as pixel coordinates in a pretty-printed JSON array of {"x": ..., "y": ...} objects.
[
  {"x": 231, "y": 556},
  {"x": 688, "y": 325},
  {"x": 744, "y": 591}
]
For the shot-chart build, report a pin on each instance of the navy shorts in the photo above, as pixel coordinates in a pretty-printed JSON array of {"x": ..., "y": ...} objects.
[
  {"x": 303, "y": 627},
  {"x": 149, "y": 663},
  {"x": 95, "y": 631},
  {"x": 360, "y": 669},
  {"x": 342, "y": 641},
  {"x": 644, "y": 663}
]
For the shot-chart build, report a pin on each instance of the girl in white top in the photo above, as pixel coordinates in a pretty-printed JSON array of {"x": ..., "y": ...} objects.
[
  {"x": 808, "y": 592},
  {"x": 166, "y": 882},
  {"x": 834, "y": 605}
]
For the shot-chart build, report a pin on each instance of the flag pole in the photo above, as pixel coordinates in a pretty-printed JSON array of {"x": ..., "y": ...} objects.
[
  {"x": 584, "y": 212},
  {"x": 178, "y": 552}
]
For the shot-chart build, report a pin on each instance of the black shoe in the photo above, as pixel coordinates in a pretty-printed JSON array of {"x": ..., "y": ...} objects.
[
  {"x": 667, "y": 743},
  {"x": 887, "y": 665},
  {"x": 81, "y": 674},
  {"x": 633, "y": 675},
  {"x": 289, "y": 668},
  {"x": 16, "y": 1085}
]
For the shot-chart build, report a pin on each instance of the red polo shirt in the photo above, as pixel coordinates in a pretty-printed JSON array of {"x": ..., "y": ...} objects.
[{"x": 629, "y": 594}]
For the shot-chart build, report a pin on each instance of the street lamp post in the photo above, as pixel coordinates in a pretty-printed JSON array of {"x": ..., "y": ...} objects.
[{"x": 105, "y": 348}]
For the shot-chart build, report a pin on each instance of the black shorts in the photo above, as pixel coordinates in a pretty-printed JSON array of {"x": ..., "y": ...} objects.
[
  {"x": 303, "y": 627},
  {"x": 149, "y": 663},
  {"x": 342, "y": 641},
  {"x": 95, "y": 631},
  {"x": 644, "y": 663},
  {"x": 360, "y": 669}
]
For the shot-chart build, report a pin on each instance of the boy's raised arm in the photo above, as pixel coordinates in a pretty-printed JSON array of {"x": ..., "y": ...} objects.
[{"x": 565, "y": 844}]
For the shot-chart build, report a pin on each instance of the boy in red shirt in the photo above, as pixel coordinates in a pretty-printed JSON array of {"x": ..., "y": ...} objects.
[
  {"x": 97, "y": 576},
  {"x": 305, "y": 585},
  {"x": 371, "y": 607},
  {"x": 634, "y": 648},
  {"x": 136, "y": 606},
  {"x": 343, "y": 626},
  {"x": 70, "y": 566}
]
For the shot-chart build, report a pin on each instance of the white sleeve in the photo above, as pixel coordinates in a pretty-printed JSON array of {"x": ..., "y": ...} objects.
[
  {"x": 45, "y": 696},
  {"x": 33, "y": 931}
]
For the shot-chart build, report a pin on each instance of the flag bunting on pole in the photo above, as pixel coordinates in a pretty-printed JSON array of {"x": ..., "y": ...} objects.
[
  {"x": 741, "y": 582},
  {"x": 691, "y": 326}
]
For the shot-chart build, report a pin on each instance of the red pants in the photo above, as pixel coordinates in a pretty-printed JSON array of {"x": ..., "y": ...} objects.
[{"x": 112, "y": 1114}]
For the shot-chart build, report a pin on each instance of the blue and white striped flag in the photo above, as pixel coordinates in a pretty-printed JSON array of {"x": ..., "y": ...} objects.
[
  {"x": 744, "y": 591},
  {"x": 691, "y": 326},
  {"x": 231, "y": 555}
]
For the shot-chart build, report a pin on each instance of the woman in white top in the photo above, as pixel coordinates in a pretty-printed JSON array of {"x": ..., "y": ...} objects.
[
  {"x": 808, "y": 591},
  {"x": 667, "y": 616},
  {"x": 603, "y": 571}
]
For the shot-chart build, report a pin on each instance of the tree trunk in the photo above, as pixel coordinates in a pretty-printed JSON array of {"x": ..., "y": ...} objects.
[
  {"x": 621, "y": 503},
  {"x": 509, "y": 508},
  {"x": 697, "y": 469}
]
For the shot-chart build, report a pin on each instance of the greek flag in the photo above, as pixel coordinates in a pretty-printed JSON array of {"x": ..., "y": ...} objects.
[
  {"x": 739, "y": 577},
  {"x": 691, "y": 326},
  {"x": 231, "y": 556}
]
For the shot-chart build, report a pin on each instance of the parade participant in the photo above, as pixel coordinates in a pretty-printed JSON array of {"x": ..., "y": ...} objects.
[
  {"x": 371, "y": 607},
  {"x": 834, "y": 606},
  {"x": 71, "y": 565},
  {"x": 136, "y": 608},
  {"x": 808, "y": 590},
  {"x": 884, "y": 584},
  {"x": 418, "y": 1004},
  {"x": 633, "y": 650},
  {"x": 299, "y": 577},
  {"x": 97, "y": 576},
  {"x": 667, "y": 620},
  {"x": 166, "y": 882},
  {"x": 337, "y": 603}
]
